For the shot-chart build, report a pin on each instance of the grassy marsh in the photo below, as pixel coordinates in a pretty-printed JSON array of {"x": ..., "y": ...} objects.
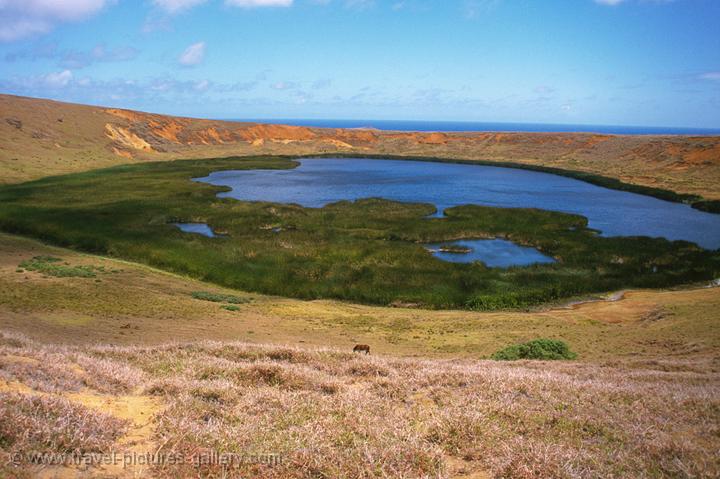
[{"x": 368, "y": 251}]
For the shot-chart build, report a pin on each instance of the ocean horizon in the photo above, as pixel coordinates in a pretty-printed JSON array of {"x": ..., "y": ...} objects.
[{"x": 475, "y": 126}]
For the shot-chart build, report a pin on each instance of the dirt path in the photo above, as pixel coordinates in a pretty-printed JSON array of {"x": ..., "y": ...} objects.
[
  {"x": 139, "y": 410},
  {"x": 616, "y": 296}
]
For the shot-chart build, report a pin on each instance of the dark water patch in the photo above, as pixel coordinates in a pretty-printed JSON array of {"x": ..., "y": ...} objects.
[{"x": 495, "y": 253}]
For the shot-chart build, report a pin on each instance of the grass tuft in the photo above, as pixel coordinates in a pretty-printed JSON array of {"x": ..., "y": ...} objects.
[{"x": 50, "y": 266}]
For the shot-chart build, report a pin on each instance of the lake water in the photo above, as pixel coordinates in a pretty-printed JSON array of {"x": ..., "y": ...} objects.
[
  {"x": 317, "y": 182},
  {"x": 496, "y": 253},
  {"x": 198, "y": 228}
]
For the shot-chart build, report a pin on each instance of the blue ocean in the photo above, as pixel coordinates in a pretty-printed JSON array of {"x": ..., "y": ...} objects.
[{"x": 447, "y": 126}]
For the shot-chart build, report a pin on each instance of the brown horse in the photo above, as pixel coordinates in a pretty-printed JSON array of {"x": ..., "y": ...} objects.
[{"x": 359, "y": 348}]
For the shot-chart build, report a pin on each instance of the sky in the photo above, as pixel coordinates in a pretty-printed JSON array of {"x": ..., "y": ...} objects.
[{"x": 602, "y": 62}]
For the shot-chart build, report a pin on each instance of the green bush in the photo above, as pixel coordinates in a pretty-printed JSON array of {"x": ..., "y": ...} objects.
[
  {"x": 219, "y": 298},
  {"x": 545, "y": 349},
  {"x": 230, "y": 307}
]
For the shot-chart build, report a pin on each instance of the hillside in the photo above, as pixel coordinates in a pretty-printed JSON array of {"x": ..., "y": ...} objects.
[
  {"x": 43, "y": 137},
  {"x": 282, "y": 412},
  {"x": 126, "y": 303}
]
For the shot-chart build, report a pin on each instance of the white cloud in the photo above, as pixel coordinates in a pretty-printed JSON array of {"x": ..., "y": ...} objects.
[
  {"x": 65, "y": 85},
  {"x": 59, "y": 79},
  {"x": 193, "y": 55},
  {"x": 544, "y": 90},
  {"x": 175, "y": 6},
  {"x": 714, "y": 76},
  {"x": 258, "y": 3},
  {"x": 321, "y": 84},
  {"x": 19, "y": 28},
  {"x": 62, "y": 10},
  {"x": 613, "y": 3},
  {"x": 284, "y": 85},
  {"x": 359, "y": 4},
  {"x": 475, "y": 8},
  {"x": 73, "y": 59},
  {"x": 23, "y": 18}
]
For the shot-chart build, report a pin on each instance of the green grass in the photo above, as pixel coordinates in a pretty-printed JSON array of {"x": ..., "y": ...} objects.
[
  {"x": 368, "y": 251},
  {"x": 542, "y": 349},
  {"x": 52, "y": 266}
]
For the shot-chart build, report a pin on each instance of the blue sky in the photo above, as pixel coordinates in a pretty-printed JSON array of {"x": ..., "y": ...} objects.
[{"x": 626, "y": 62}]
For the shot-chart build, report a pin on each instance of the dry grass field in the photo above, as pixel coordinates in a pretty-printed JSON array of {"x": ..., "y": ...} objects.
[{"x": 307, "y": 413}]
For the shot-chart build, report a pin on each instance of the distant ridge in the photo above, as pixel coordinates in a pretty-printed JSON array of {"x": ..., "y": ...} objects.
[{"x": 41, "y": 137}]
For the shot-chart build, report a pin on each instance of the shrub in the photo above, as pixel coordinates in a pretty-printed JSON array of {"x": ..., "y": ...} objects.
[
  {"x": 219, "y": 298},
  {"x": 545, "y": 349}
]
